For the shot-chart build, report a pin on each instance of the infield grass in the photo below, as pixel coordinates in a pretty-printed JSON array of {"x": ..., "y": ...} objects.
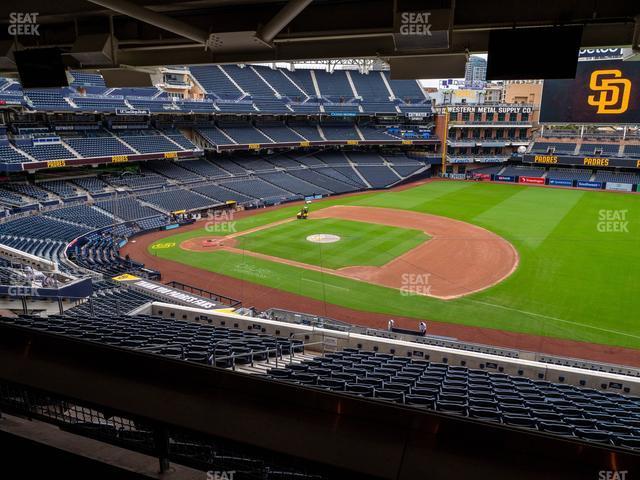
[
  {"x": 575, "y": 280},
  {"x": 360, "y": 243}
]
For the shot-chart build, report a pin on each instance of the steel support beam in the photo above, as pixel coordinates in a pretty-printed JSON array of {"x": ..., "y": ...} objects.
[
  {"x": 290, "y": 11},
  {"x": 156, "y": 19}
]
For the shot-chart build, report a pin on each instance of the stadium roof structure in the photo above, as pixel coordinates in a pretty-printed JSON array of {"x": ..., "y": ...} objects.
[{"x": 161, "y": 32}]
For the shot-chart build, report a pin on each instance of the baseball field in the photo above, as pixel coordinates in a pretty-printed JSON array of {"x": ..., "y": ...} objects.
[{"x": 541, "y": 261}]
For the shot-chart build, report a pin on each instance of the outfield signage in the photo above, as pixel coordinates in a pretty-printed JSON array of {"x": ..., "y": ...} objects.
[
  {"x": 586, "y": 161},
  {"x": 602, "y": 92},
  {"x": 584, "y": 184},
  {"x": 620, "y": 187},
  {"x": 342, "y": 114},
  {"x": 561, "y": 182},
  {"x": 504, "y": 178},
  {"x": 531, "y": 180},
  {"x": 484, "y": 109}
]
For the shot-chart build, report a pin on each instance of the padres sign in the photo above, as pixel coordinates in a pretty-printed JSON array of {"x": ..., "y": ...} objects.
[{"x": 602, "y": 92}]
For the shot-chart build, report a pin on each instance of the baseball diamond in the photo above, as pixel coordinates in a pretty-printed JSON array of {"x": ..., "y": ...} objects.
[{"x": 532, "y": 256}]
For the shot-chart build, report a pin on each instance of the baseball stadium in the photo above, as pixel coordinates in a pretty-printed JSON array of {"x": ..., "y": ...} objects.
[{"x": 259, "y": 240}]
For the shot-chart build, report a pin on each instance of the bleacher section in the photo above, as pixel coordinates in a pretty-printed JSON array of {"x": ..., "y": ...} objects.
[
  {"x": 606, "y": 176},
  {"x": 524, "y": 171},
  {"x": 569, "y": 174}
]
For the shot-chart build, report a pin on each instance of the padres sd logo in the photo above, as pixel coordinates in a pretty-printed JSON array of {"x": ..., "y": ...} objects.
[{"x": 613, "y": 91}]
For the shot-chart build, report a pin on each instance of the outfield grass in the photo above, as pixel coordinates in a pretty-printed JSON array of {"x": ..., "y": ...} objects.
[
  {"x": 574, "y": 280},
  {"x": 360, "y": 243}
]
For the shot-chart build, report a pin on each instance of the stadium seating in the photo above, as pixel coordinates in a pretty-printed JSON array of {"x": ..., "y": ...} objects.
[
  {"x": 60, "y": 188},
  {"x": 280, "y": 82},
  {"x": 127, "y": 208},
  {"x": 253, "y": 163},
  {"x": 302, "y": 78},
  {"x": 41, "y": 227},
  {"x": 98, "y": 146},
  {"x": 30, "y": 190},
  {"x": 12, "y": 199},
  {"x": 204, "y": 168},
  {"x": 104, "y": 319},
  {"x": 408, "y": 91},
  {"x": 173, "y": 170},
  {"x": 177, "y": 199},
  {"x": 365, "y": 158},
  {"x": 293, "y": 184},
  {"x": 280, "y": 134},
  {"x": 9, "y": 154},
  {"x": 524, "y": 171},
  {"x": 557, "y": 147},
  {"x": 245, "y": 134},
  {"x": 335, "y": 132},
  {"x": 378, "y": 177},
  {"x": 44, "y": 152},
  {"x": 554, "y": 409},
  {"x": 49, "y": 99},
  {"x": 83, "y": 215},
  {"x": 618, "y": 177},
  {"x": 143, "y": 181},
  {"x": 221, "y": 194},
  {"x": 569, "y": 174},
  {"x": 334, "y": 85},
  {"x": 323, "y": 181},
  {"x": 148, "y": 142},
  {"x": 605, "y": 149},
  {"x": 307, "y": 131},
  {"x": 215, "y": 136},
  {"x": 214, "y": 80},
  {"x": 92, "y": 185},
  {"x": 258, "y": 189}
]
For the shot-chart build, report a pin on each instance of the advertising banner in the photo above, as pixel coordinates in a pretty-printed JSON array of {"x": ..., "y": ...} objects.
[
  {"x": 531, "y": 180},
  {"x": 582, "y": 184},
  {"x": 621, "y": 187},
  {"x": 559, "y": 182},
  {"x": 504, "y": 178}
]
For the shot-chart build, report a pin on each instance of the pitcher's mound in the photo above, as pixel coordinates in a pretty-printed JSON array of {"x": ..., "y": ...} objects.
[{"x": 323, "y": 238}]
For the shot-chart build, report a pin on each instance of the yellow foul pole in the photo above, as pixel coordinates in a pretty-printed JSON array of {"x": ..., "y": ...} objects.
[{"x": 444, "y": 140}]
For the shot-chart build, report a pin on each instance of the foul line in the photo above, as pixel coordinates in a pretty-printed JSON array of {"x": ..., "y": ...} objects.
[{"x": 533, "y": 314}]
